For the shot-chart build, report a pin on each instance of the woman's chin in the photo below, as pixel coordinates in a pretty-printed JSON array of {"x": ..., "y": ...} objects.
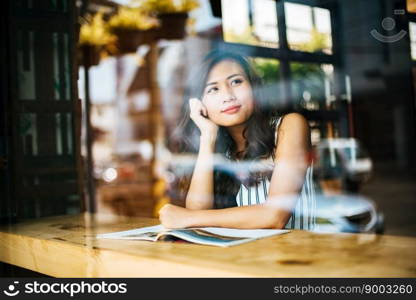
[{"x": 237, "y": 120}]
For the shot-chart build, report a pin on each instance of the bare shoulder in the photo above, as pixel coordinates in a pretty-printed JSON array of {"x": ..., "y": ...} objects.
[
  {"x": 293, "y": 134},
  {"x": 294, "y": 122}
]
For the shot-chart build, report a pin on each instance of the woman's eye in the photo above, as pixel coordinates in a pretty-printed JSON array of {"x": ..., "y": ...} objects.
[
  {"x": 236, "y": 81},
  {"x": 212, "y": 90}
]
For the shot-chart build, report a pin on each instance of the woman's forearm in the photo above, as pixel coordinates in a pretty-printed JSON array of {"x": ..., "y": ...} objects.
[
  {"x": 201, "y": 190},
  {"x": 245, "y": 217}
]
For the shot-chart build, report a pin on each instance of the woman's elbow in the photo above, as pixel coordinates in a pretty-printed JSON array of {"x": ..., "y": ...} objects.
[
  {"x": 277, "y": 225},
  {"x": 198, "y": 202},
  {"x": 277, "y": 219}
]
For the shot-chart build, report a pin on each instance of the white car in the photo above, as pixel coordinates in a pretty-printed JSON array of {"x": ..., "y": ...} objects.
[
  {"x": 343, "y": 157},
  {"x": 347, "y": 213}
]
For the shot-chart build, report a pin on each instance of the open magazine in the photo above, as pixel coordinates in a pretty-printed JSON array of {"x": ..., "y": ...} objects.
[{"x": 213, "y": 236}]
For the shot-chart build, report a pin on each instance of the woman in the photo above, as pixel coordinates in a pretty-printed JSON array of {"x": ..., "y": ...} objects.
[{"x": 226, "y": 115}]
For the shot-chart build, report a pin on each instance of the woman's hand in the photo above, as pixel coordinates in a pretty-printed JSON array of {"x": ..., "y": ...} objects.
[
  {"x": 199, "y": 115},
  {"x": 172, "y": 216}
]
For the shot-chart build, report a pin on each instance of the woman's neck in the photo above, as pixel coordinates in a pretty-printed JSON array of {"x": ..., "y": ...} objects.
[{"x": 236, "y": 133}]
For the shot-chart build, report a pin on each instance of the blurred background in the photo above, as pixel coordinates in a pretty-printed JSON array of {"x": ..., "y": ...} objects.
[{"x": 92, "y": 89}]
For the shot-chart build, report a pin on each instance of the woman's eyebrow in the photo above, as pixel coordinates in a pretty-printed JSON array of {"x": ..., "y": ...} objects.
[
  {"x": 234, "y": 75},
  {"x": 229, "y": 77}
]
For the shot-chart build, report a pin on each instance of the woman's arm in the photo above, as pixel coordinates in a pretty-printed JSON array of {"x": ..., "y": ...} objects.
[
  {"x": 292, "y": 158},
  {"x": 201, "y": 190},
  {"x": 287, "y": 180},
  {"x": 200, "y": 193}
]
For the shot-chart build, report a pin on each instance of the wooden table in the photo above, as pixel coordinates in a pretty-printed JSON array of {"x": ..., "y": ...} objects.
[{"x": 66, "y": 247}]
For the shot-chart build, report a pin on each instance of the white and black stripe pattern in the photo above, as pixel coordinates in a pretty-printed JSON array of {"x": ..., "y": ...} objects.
[{"x": 303, "y": 215}]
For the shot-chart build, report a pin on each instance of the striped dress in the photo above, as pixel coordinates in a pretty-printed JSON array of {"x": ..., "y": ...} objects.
[{"x": 303, "y": 215}]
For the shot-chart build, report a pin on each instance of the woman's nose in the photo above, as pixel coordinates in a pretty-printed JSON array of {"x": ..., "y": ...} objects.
[{"x": 229, "y": 94}]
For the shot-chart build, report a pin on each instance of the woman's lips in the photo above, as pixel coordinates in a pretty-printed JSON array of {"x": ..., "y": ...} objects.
[{"x": 232, "y": 110}]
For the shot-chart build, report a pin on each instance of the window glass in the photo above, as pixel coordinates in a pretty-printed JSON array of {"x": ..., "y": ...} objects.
[
  {"x": 308, "y": 28},
  {"x": 412, "y": 34},
  {"x": 250, "y": 22},
  {"x": 269, "y": 70},
  {"x": 61, "y": 65},
  {"x": 26, "y": 65},
  {"x": 312, "y": 85},
  {"x": 29, "y": 134}
]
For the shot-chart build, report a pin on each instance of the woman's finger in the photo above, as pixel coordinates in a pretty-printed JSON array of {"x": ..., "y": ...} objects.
[
  {"x": 195, "y": 106},
  {"x": 194, "y": 102},
  {"x": 204, "y": 111},
  {"x": 198, "y": 107}
]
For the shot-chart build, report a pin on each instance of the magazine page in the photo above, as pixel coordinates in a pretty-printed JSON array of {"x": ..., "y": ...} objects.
[
  {"x": 243, "y": 233},
  {"x": 214, "y": 236},
  {"x": 205, "y": 238},
  {"x": 149, "y": 233},
  {"x": 224, "y": 237}
]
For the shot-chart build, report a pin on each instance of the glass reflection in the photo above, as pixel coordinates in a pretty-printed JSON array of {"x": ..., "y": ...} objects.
[
  {"x": 26, "y": 65},
  {"x": 308, "y": 28},
  {"x": 269, "y": 71},
  {"x": 29, "y": 134},
  {"x": 412, "y": 34},
  {"x": 250, "y": 22},
  {"x": 312, "y": 85},
  {"x": 61, "y": 69}
]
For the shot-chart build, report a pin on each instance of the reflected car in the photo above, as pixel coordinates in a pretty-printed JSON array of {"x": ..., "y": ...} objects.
[
  {"x": 344, "y": 159},
  {"x": 348, "y": 213}
]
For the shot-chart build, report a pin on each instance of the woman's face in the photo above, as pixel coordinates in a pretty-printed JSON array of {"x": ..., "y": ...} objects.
[{"x": 228, "y": 95}]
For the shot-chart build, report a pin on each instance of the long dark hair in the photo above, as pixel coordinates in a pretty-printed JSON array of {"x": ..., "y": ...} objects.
[{"x": 259, "y": 132}]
